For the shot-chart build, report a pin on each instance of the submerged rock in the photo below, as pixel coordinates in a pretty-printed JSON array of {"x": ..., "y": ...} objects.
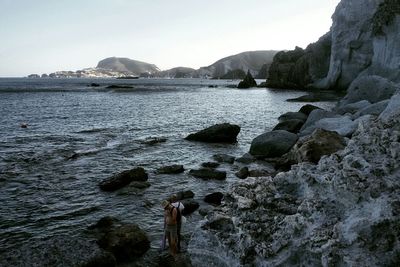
[
  {"x": 123, "y": 179},
  {"x": 224, "y": 158},
  {"x": 184, "y": 194},
  {"x": 171, "y": 169},
  {"x": 219, "y": 133},
  {"x": 207, "y": 174},
  {"x": 211, "y": 165},
  {"x": 243, "y": 173},
  {"x": 272, "y": 144},
  {"x": 154, "y": 140},
  {"x": 246, "y": 158},
  {"x": 190, "y": 206}
]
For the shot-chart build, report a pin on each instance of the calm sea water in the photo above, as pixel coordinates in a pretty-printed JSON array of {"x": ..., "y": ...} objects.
[{"x": 44, "y": 193}]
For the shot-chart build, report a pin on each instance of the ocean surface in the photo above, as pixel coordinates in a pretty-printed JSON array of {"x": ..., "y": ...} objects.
[{"x": 79, "y": 135}]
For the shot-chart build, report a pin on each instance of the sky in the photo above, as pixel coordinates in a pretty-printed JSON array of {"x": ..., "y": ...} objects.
[{"x": 43, "y": 36}]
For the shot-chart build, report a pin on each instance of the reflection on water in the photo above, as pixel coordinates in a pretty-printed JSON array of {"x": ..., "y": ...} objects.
[{"x": 77, "y": 136}]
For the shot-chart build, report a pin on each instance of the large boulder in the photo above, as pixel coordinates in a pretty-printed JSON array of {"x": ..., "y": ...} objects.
[
  {"x": 371, "y": 88},
  {"x": 292, "y": 126},
  {"x": 373, "y": 109},
  {"x": 319, "y": 143},
  {"x": 219, "y": 133},
  {"x": 126, "y": 242},
  {"x": 292, "y": 116},
  {"x": 208, "y": 174},
  {"x": 124, "y": 178},
  {"x": 317, "y": 115},
  {"x": 343, "y": 125},
  {"x": 247, "y": 82},
  {"x": 272, "y": 144}
]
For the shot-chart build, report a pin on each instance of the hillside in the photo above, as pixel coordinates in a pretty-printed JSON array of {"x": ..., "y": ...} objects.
[
  {"x": 127, "y": 65},
  {"x": 251, "y": 60}
]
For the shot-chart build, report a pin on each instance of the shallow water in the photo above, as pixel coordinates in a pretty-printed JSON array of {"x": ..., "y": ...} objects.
[{"x": 44, "y": 192}]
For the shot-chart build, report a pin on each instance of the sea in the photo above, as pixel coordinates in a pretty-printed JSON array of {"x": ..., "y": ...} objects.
[{"x": 78, "y": 135}]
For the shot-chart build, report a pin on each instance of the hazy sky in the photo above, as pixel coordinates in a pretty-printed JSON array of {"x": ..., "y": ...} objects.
[{"x": 42, "y": 36}]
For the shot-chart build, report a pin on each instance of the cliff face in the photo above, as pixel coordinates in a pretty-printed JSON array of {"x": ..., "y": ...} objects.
[{"x": 364, "y": 40}]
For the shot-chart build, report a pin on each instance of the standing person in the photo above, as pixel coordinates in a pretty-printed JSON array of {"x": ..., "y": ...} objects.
[
  {"x": 180, "y": 207},
  {"x": 170, "y": 213}
]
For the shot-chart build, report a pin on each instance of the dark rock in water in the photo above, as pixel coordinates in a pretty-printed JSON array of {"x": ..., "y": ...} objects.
[
  {"x": 167, "y": 260},
  {"x": 154, "y": 140},
  {"x": 219, "y": 133},
  {"x": 260, "y": 173},
  {"x": 247, "y": 82},
  {"x": 272, "y": 144},
  {"x": 292, "y": 116},
  {"x": 211, "y": 165},
  {"x": 59, "y": 251},
  {"x": 139, "y": 185},
  {"x": 172, "y": 169},
  {"x": 224, "y": 158},
  {"x": 123, "y": 179},
  {"x": 119, "y": 86},
  {"x": 206, "y": 173},
  {"x": 204, "y": 211},
  {"x": 190, "y": 206},
  {"x": 24, "y": 125},
  {"x": 184, "y": 194},
  {"x": 246, "y": 159},
  {"x": 292, "y": 126},
  {"x": 214, "y": 198},
  {"x": 243, "y": 173},
  {"x": 306, "y": 109},
  {"x": 220, "y": 223},
  {"x": 94, "y": 85},
  {"x": 126, "y": 242},
  {"x": 105, "y": 222}
]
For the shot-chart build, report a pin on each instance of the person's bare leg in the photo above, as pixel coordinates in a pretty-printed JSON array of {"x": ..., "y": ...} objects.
[{"x": 173, "y": 247}]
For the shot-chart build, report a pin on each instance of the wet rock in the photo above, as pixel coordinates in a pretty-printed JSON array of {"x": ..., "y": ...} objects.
[
  {"x": 207, "y": 173},
  {"x": 247, "y": 82},
  {"x": 140, "y": 185},
  {"x": 292, "y": 126},
  {"x": 184, "y": 194},
  {"x": 292, "y": 116},
  {"x": 204, "y": 211},
  {"x": 243, "y": 173},
  {"x": 154, "y": 140},
  {"x": 211, "y": 165},
  {"x": 24, "y": 125},
  {"x": 272, "y": 144},
  {"x": 104, "y": 223},
  {"x": 190, "y": 206},
  {"x": 166, "y": 260},
  {"x": 246, "y": 158},
  {"x": 126, "y": 242},
  {"x": 123, "y": 179},
  {"x": 219, "y": 133},
  {"x": 172, "y": 169},
  {"x": 224, "y": 158},
  {"x": 220, "y": 223},
  {"x": 59, "y": 251},
  {"x": 214, "y": 198},
  {"x": 94, "y": 85},
  {"x": 392, "y": 111},
  {"x": 260, "y": 173},
  {"x": 307, "y": 109}
]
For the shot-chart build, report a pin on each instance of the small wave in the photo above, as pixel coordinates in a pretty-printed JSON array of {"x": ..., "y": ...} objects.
[{"x": 94, "y": 130}]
